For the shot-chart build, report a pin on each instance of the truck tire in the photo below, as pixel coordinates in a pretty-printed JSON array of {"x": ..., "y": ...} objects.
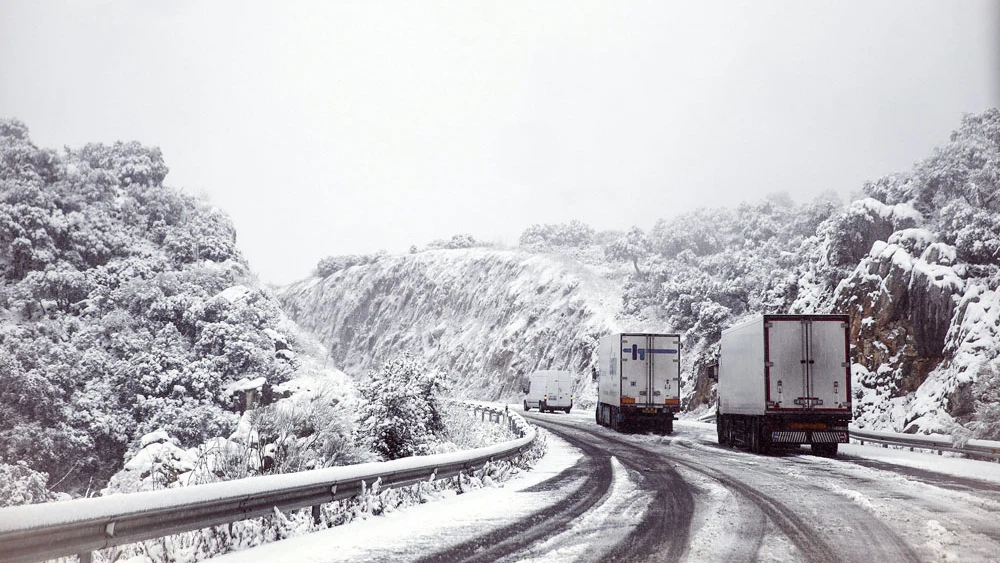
[
  {"x": 597, "y": 415},
  {"x": 720, "y": 427},
  {"x": 567, "y": 409},
  {"x": 755, "y": 441},
  {"x": 825, "y": 449},
  {"x": 526, "y": 407}
]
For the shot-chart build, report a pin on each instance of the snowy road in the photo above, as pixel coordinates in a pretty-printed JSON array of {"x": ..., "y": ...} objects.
[
  {"x": 599, "y": 495},
  {"x": 798, "y": 507}
]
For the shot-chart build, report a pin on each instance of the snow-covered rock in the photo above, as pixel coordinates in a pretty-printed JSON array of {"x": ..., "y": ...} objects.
[
  {"x": 486, "y": 317},
  {"x": 902, "y": 299}
]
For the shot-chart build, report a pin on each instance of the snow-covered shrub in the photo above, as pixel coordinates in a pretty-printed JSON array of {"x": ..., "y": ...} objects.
[
  {"x": 158, "y": 464},
  {"x": 457, "y": 241},
  {"x": 303, "y": 433},
  {"x": 974, "y": 232},
  {"x": 333, "y": 264},
  {"x": 572, "y": 234},
  {"x": 400, "y": 414},
  {"x": 986, "y": 394},
  {"x": 19, "y": 484}
]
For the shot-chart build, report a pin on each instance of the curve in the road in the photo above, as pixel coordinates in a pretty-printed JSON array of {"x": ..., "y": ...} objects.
[{"x": 883, "y": 544}]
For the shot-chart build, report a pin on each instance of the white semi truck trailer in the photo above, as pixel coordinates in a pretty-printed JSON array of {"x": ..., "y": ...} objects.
[
  {"x": 638, "y": 384},
  {"x": 785, "y": 380}
]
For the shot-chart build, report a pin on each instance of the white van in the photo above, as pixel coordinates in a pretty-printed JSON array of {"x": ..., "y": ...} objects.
[{"x": 550, "y": 390}]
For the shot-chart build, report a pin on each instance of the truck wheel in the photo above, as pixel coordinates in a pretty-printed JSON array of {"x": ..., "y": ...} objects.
[
  {"x": 825, "y": 449},
  {"x": 526, "y": 408},
  {"x": 755, "y": 437},
  {"x": 720, "y": 428},
  {"x": 665, "y": 427},
  {"x": 597, "y": 415},
  {"x": 568, "y": 409}
]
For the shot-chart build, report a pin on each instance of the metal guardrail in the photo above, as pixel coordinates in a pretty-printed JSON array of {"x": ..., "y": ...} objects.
[
  {"x": 77, "y": 527},
  {"x": 982, "y": 449}
]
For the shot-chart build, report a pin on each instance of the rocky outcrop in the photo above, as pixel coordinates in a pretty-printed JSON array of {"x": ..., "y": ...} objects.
[{"x": 902, "y": 299}]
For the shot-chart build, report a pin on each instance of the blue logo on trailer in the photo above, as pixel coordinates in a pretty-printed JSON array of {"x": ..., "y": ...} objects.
[{"x": 640, "y": 353}]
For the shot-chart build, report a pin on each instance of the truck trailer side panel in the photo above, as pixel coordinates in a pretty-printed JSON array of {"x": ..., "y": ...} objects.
[{"x": 742, "y": 391}]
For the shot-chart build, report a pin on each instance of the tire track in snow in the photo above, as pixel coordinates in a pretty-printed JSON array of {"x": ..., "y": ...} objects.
[
  {"x": 663, "y": 533},
  {"x": 500, "y": 544}
]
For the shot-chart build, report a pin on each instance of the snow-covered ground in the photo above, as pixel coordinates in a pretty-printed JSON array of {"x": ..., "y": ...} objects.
[
  {"x": 878, "y": 479},
  {"x": 947, "y": 464},
  {"x": 420, "y": 530}
]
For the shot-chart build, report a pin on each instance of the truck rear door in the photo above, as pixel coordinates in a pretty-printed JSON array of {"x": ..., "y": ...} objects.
[
  {"x": 805, "y": 360},
  {"x": 829, "y": 364},
  {"x": 635, "y": 370},
  {"x": 785, "y": 353},
  {"x": 665, "y": 366}
]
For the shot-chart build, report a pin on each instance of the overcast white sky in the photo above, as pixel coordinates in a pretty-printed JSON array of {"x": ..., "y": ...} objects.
[{"x": 349, "y": 127}]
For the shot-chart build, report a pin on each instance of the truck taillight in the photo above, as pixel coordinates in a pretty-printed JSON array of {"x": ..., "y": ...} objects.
[{"x": 545, "y": 397}]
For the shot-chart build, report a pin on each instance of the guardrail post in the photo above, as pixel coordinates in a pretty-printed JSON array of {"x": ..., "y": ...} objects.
[
  {"x": 86, "y": 557},
  {"x": 316, "y": 514}
]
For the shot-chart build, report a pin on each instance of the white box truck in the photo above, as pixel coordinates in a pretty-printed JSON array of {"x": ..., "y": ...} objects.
[
  {"x": 550, "y": 390},
  {"x": 638, "y": 381},
  {"x": 785, "y": 380}
]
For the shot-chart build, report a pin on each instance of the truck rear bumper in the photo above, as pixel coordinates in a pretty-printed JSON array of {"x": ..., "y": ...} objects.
[{"x": 648, "y": 410}]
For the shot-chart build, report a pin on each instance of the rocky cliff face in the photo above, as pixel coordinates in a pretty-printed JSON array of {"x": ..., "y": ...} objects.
[
  {"x": 902, "y": 300},
  {"x": 486, "y": 317}
]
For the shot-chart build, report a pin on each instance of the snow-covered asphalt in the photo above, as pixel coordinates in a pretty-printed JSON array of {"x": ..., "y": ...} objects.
[{"x": 598, "y": 495}]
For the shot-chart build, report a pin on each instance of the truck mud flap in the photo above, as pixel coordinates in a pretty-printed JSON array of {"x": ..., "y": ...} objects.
[
  {"x": 789, "y": 437},
  {"x": 829, "y": 437}
]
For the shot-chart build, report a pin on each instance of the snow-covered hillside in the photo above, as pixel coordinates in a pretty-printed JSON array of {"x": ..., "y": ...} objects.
[{"x": 486, "y": 317}]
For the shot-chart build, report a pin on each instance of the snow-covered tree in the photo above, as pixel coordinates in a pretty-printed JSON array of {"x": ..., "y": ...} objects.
[
  {"x": 632, "y": 247},
  {"x": 127, "y": 307},
  {"x": 557, "y": 235}
]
